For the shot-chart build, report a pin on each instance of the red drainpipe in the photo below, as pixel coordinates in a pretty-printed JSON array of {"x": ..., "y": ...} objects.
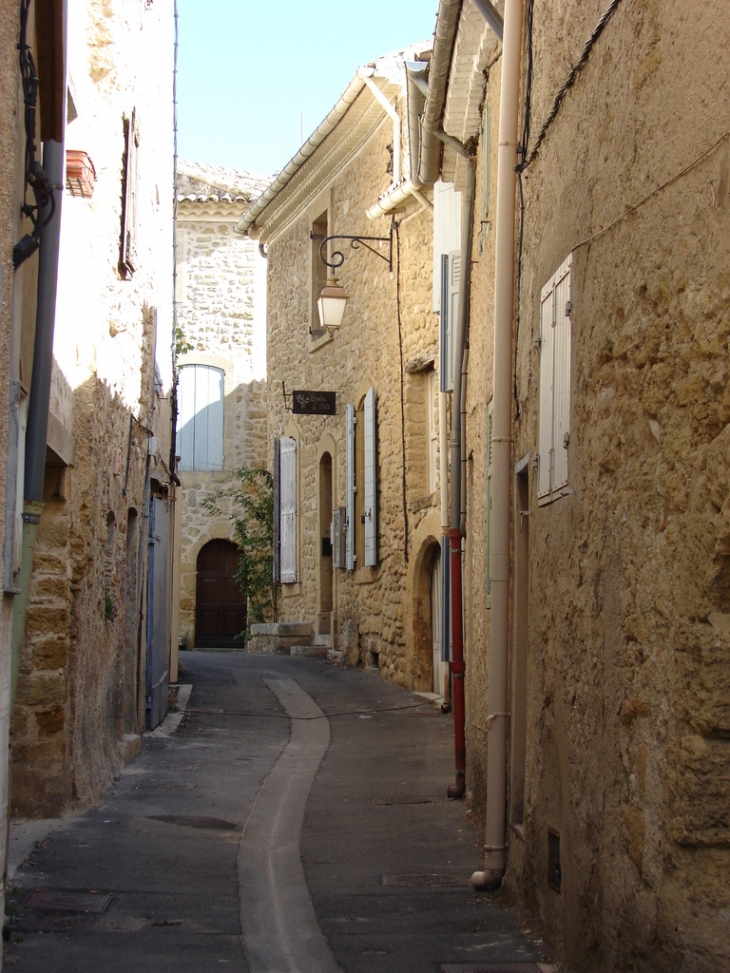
[{"x": 457, "y": 664}]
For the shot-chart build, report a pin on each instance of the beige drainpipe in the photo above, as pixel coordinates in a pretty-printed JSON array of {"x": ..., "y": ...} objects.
[{"x": 498, "y": 718}]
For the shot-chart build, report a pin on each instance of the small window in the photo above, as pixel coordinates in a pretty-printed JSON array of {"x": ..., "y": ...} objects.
[
  {"x": 361, "y": 474},
  {"x": 433, "y": 436},
  {"x": 320, "y": 230},
  {"x": 555, "y": 337},
  {"x": 200, "y": 418}
]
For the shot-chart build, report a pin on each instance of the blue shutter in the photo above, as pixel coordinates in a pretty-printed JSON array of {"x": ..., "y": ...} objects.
[
  {"x": 370, "y": 508},
  {"x": 350, "y": 530}
]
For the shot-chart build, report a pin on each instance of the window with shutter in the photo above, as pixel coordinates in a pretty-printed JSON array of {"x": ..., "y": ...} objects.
[
  {"x": 555, "y": 354},
  {"x": 450, "y": 279},
  {"x": 370, "y": 505},
  {"x": 277, "y": 512},
  {"x": 128, "y": 252},
  {"x": 350, "y": 525},
  {"x": 446, "y": 231},
  {"x": 200, "y": 417},
  {"x": 485, "y": 176},
  {"x": 288, "y": 509}
]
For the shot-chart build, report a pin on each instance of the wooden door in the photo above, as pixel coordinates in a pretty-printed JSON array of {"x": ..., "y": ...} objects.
[{"x": 220, "y": 605}]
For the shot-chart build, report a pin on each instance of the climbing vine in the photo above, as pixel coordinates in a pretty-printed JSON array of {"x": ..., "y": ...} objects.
[{"x": 252, "y": 510}]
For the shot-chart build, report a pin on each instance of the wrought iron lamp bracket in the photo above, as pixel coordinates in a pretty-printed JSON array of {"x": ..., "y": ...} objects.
[{"x": 338, "y": 257}]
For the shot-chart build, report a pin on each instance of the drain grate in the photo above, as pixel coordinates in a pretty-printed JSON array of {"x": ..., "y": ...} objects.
[
  {"x": 427, "y": 881},
  {"x": 61, "y": 900}
]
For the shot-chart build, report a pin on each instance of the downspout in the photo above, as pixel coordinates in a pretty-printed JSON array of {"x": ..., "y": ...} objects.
[
  {"x": 497, "y": 720},
  {"x": 457, "y": 454},
  {"x": 40, "y": 391}
]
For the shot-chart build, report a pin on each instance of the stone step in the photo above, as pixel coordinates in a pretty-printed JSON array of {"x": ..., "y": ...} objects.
[{"x": 309, "y": 651}]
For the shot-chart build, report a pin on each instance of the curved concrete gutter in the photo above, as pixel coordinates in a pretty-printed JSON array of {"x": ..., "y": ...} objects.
[
  {"x": 280, "y": 928},
  {"x": 324, "y": 128}
]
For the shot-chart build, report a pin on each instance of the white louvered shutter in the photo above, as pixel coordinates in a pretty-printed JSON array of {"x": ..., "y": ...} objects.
[
  {"x": 450, "y": 280},
  {"x": 370, "y": 507},
  {"x": 561, "y": 402},
  {"x": 288, "y": 501},
  {"x": 555, "y": 352},
  {"x": 200, "y": 418},
  {"x": 277, "y": 511},
  {"x": 350, "y": 527}
]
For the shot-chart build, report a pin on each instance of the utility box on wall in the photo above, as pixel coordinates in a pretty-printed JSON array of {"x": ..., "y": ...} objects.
[{"x": 337, "y": 533}]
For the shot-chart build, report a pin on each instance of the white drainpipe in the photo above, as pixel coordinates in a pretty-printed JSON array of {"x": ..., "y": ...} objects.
[{"x": 498, "y": 717}]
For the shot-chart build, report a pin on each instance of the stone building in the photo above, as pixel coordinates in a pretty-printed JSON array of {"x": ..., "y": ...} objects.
[
  {"x": 20, "y": 38},
  {"x": 94, "y": 650},
  {"x": 221, "y": 317},
  {"x": 596, "y": 466},
  {"x": 357, "y": 473}
]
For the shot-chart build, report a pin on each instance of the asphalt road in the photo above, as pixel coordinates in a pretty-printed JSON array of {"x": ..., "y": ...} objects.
[{"x": 295, "y": 822}]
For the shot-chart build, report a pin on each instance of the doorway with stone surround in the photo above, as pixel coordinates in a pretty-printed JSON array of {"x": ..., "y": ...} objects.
[{"x": 220, "y": 605}]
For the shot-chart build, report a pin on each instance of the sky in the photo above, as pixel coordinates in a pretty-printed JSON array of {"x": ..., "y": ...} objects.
[{"x": 247, "y": 69}]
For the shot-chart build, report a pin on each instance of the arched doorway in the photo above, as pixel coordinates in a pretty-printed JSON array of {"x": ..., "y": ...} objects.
[{"x": 220, "y": 605}]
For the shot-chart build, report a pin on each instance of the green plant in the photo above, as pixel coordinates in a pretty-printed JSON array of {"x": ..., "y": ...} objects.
[
  {"x": 253, "y": 518},
  {"x": 182, "y": 345},
  {"x": 111, "y": 609}
]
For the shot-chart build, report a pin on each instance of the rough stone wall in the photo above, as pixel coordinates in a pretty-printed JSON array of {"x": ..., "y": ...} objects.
[
  {"x": 221, "y": 312},
  {"x": 80, "y": 700},
  {"x": 627, "y": 612},
  {"x": 363, "y": 353}
]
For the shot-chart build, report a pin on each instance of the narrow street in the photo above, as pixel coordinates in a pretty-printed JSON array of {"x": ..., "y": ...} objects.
[{"x": 295, "y": 821}]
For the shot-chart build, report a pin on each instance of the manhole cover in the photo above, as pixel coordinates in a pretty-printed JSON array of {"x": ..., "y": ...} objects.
[
  {"x": 426, "y": 881},
  {"x": 60, "y": 900}
]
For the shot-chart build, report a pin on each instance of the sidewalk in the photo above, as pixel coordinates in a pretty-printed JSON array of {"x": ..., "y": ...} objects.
[{"x": 161, "y": 876}]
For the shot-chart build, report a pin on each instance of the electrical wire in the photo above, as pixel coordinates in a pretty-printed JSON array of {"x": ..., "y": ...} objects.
[
  {"x": 35, "y": 176},
  {"x": 567, "y": 84}
]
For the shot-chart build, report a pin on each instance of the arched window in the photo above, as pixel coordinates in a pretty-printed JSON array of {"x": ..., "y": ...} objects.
[{"x": 200, "y": 418}]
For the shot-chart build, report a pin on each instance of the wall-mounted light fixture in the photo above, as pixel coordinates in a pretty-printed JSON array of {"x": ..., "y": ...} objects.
[{"x": 333, "y": 299}]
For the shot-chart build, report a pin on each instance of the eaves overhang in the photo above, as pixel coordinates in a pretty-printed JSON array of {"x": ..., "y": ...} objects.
[{"x": 248, "y": 224}]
